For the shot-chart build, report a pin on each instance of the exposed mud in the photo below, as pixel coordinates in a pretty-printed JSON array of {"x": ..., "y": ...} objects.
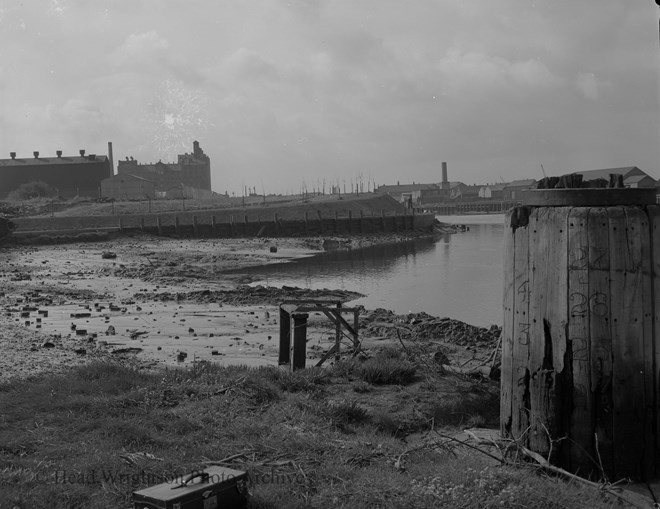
[{"x": 168, "y": 301}]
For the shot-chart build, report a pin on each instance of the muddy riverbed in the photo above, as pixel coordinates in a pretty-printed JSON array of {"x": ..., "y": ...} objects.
[{"x": 168, "y": 302}]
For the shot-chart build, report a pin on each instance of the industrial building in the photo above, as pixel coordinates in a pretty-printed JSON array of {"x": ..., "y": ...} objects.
[
  {"x": 190, "y": 176},
  {"x": 70, "y": 176}
]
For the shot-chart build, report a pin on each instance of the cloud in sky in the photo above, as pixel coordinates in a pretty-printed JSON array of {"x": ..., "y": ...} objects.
[{"x": 280, "y": 91}]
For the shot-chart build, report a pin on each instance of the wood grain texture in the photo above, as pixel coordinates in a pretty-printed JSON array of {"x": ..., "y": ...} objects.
[
  {"x": 639, "y": 243},
  {"x": 548, "y": 317},
  {"x": 507, "y": 329},
  {"x": 654, "y": 230},
  {"x": 627, "y": 345},
  {"x": 578, "y": 403},
  {"x": 601, "y": 336},
  {"x": 521, "y": 336}
]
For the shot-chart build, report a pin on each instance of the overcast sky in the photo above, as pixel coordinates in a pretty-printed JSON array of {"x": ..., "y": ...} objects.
[{"x": 281, "y": 91}]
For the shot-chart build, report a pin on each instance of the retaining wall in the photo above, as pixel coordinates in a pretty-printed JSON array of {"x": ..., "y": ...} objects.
[{"x": 221, "y": 224}]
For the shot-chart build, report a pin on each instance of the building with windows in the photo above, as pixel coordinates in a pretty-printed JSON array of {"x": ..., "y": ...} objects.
[{"x": 189, "y": 176}]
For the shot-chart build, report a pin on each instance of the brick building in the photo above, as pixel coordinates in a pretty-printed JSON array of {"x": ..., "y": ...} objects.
[
  {"x": 70, "y": 175},
  {"x": 191, "y": 171}
]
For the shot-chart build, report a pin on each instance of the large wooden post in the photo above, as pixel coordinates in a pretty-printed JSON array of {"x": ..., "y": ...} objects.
[
  {"x": 285, "y": 336},
  {"x": 299, "y": 345},
  {"x": 581, "y": 330}
]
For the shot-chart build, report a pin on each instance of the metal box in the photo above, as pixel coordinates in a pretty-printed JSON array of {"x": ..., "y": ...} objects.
[{"x": 212, "y": 488}]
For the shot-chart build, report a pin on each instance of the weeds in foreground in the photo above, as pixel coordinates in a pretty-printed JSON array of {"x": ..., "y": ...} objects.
[
  {"x": 93, "y": 436},
  {"x": 387, "y": 367}
]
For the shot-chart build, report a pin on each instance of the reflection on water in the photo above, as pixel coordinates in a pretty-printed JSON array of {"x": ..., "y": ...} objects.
[{"x": 459, "y": 276}]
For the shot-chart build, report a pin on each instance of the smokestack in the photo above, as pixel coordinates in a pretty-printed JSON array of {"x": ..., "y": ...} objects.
[
  {"x": 59, "y": 153},
  {"x": 12, "y": 155},
  {"x": 445, "y": 181},
  {"x": 36, "y": 154},
  {"x": 82, "y": 152},
  {"x": 110, "y": 158}
]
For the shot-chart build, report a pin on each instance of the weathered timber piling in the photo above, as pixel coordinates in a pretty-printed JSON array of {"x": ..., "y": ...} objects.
[
  {"x": 298, "y": 353},
  {"x": 581, "y": 330},
  {"x": 285, "y": 336}
]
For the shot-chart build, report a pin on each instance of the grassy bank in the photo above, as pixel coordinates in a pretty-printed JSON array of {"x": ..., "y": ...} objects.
[{"x": 364, "y": 433}]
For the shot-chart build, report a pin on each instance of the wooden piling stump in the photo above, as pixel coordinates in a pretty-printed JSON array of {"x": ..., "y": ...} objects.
[
  {"x": 285, "y": 337},
  {"x": 299, "y": 343},
  {"x": 581, "y": 334}
]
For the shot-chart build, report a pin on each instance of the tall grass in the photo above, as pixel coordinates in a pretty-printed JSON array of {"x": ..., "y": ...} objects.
[{"x": 91, "y": 437}]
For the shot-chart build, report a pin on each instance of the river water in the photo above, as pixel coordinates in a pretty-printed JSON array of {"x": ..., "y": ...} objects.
[{"x": 458, "y": 276}]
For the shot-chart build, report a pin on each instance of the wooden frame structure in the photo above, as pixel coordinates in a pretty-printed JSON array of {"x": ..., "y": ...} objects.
[{"x": 293, "y": 330}]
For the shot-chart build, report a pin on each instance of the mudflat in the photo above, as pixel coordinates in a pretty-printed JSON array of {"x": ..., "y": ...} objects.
[{"x": 162, "y": 302}]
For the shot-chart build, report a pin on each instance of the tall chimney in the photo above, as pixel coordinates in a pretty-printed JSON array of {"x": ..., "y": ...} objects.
[
  {"x": 36, "y": 154},
  {"x": 445, "y": 180},
  {"x": 82, "y": 152},
  {"x": 110, "y": 159}
]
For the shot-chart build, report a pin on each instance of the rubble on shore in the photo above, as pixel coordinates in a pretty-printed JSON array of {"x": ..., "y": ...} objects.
[
  {"x": 150, "y": 273},
  {"x": 384, "y": 323}
]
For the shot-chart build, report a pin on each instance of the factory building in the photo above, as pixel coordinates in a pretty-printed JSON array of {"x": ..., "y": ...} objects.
[
  {"x": 70, "y": 176},
  {"x": 190, "y": 175}
]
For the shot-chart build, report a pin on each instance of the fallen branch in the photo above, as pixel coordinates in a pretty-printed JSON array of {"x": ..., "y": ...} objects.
[
  {"x": 635, "y": 500},
  {"x": 502, "y": 461},
  {"x": 225, "y": 461},
  {"x": 229, "y": 387}
]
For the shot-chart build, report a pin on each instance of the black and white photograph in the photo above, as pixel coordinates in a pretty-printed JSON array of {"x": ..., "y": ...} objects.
[{"x": 280, "y": 254}]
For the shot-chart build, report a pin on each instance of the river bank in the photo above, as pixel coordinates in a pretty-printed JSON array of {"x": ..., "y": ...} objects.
[
  {"x": 166, "y": 302},
  {"x": 91, "y": 415}
]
